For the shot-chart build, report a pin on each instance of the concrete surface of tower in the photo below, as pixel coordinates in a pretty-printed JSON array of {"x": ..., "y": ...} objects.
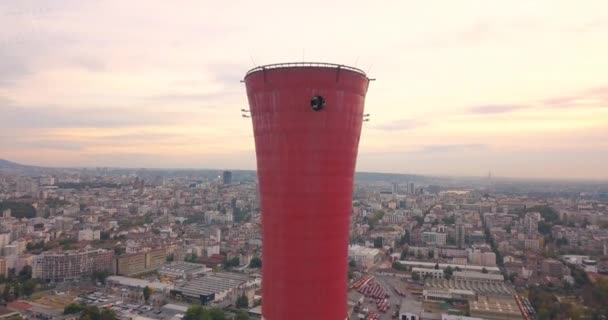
[{"x": 307, "y": 120}]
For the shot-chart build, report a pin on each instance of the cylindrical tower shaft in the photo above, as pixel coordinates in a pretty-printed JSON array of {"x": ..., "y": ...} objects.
[{"x": 307, "y": 121}]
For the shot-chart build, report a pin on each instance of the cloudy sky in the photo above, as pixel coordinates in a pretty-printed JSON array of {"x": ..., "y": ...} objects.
[{"x": 516, "y": 87}]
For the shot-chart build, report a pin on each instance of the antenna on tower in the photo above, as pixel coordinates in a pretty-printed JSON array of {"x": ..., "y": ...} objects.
[{"x": 252, "y": 61}]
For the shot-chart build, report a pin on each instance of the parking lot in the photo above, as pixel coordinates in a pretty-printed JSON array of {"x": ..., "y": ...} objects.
[{"x": 387, "y": 286}]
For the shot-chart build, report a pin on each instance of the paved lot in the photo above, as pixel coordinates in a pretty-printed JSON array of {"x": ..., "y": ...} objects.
[{"x": 387, "y": 283}]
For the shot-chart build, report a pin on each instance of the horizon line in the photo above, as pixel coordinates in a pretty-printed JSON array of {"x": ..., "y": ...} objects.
[{"x": 494, "y": 177}]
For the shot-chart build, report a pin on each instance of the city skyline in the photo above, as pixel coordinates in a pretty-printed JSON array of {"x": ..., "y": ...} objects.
[{"x": 512, "y": 88}]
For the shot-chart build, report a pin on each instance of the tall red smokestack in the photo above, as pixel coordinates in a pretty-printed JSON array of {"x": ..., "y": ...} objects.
[{"x": 307, "y": 122}]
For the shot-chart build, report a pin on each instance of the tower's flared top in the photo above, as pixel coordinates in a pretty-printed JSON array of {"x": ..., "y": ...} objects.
[{"x": 304, "y": 65}]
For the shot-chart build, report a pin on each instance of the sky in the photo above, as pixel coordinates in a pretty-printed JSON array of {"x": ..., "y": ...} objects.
[{"x": 518, "y": 88}]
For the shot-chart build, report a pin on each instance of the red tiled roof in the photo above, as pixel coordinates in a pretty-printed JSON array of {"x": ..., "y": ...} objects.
[{"x": 19, "y": 305}]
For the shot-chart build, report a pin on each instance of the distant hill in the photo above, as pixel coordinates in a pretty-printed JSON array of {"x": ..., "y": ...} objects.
[
  {"x": 9, "y": 166},
  {"x": 5, "y": 164}
]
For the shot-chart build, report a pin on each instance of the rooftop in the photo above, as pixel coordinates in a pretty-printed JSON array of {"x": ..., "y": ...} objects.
[
  {"x": 181, "y": 266},
  {"x": 411, "y": 306},
  {"x": 304, "y": 65},
  {"x": 494, "y": 288},
  {"x": 212, "y": 283},
  {"x": 133, "y": 282},
  {"x": 464, "y": 267},
  {"x": 478, "y": 275},
  {"x": 492, "y": 305}
]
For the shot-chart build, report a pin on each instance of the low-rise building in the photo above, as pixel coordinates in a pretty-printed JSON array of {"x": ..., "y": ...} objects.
[
  {"x": 410, "y": 310},
  {"x": 89, "y": 235},
  {"x": 140, "y": 263},
  {"x": 366, "y": 257},
  {"x": 429, "y": 273}
]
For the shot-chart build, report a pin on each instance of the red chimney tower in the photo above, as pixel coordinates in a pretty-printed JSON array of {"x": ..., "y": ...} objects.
[{"x": 307, "y": 121}]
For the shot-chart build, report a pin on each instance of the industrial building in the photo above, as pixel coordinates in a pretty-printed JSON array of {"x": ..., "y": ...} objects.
[
  {"x": 216, "y": 288},
  {"x": 495, "y": 308},
  {"x": 465, "y": 267},
  {"x": 437, "y": 289}
]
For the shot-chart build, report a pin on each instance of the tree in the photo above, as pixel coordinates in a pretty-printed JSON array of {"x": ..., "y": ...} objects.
[
  {"x": 255, "y": 263},
  {"x": 147, "y": 293},
  {"x": 403, "y": 255},
  {"x": 17, "y": 290},
  {"x": 543, "y": 314},
  {"x": 484, "y": 270},
  {"x": 561, "y": 242},
  {"x": 93, "y": 313},
  {"x": 194, "y": 313},
  {"x": 25, "y": 273},
  {"x": 405, "y": 238},
  {"x": 191, "y": 258},
  {"x": 73, "y": 308},
  {"x": 28, "y": 287},
  {"x": 448, "y": 272},
  {"x": 242, "y": 315},
  {"x": 6, "y": 294},
  {"x": 217, "y": 314},
  {"x": 378, "y": 242},
  {"x": 415, "y": 276},
  {"x": 436, "y": 266},
  {"x": 234, "y": 262},
  {"x": 242, "y": 301},
  {"x": 398, "y": 266},
  {"x": 199, "y": 313},
  {"x": 107, "y": 314},
  {"x": 100, "y": 276},
  {"x": 352, "y": 263},
  {"x": 544, "y": 228}
]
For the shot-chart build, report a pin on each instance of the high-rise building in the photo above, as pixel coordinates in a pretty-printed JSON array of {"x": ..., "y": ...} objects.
[
  {"x": 460, "y": 235},
  {"x": 307, "y": 120},
  {"x": 3, "y": 269},
  {"x": 531, "y": 220},
  {"x": 410, "y": 188},
  {"x": 227, "y": 177}
]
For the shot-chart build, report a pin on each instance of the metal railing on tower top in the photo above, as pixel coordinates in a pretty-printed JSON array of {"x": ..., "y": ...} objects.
[{"x": 305, "y": 65}]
